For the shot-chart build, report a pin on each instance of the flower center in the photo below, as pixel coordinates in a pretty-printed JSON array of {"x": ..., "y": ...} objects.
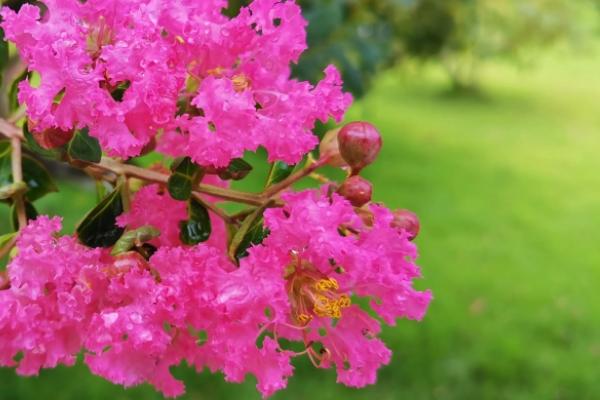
[{"x": 313, "y": 294}]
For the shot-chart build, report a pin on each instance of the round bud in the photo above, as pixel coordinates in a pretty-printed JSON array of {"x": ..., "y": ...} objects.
[
  {"x": 360, "y": 143},
  {"x": 51, "y": 138},
  {"x": 329, "y": 149},
  {"x": 407, "y": 221},
  {"x": 4, "y": 281},
  {"x": 356, "y": 190}
]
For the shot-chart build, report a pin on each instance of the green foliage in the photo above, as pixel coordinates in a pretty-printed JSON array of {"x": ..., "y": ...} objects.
[
  {"x": 30, "y": 213},
  {"x": 250, "y": 232},
  {"x": 35, "y": 175},
  {"x": 278, "y": 172},
  {"x": 183, "y": 179},
  {"x": 237, "y": 170},
  {"x": 83, "y": 147},
  {"x": 197, "y": 228},
  {"x": 133, "y": 238},
  {"x": 99, "y": 227}
]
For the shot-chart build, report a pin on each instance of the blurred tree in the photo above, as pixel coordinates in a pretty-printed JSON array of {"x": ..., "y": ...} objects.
[{"x": 463, "y": 33}]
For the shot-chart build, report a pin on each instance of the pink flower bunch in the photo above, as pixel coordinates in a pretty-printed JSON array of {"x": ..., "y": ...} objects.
[
  {"x": 320, "y": 269},
  {"x": 135, "y": 318},
  {"x": 205, "y": 85}
]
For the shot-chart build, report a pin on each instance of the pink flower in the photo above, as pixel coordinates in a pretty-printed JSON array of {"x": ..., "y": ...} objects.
[
  {"x": 153, "y": 206},
  {"x": 123, "y": 70},
  {"x": 46, "y": 309},
  {"x": 323, "y": 256}
]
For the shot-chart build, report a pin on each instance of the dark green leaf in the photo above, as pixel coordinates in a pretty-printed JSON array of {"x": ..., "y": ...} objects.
[
  {"x": 279, "y": 171},
  {"x": 237, "y": 170},
  {"x": 255, "y": 236},
  {"x": 5, "y": 163},
  {"x": 251, "y": 232},
  {"x": 118, "y": 93},
  {"x": 83, "y": 147},
  {"x": 35, "y": 174},
  {"x": 30, "y": 212},
  {"x": 134, "y": 238},
  {"x": 183, "y": 179},
  {"x": 3, "y": 54},
  {"x": 13, "y": 101},
  {"x": 32, "y": 144},
  {"x": 198, "y": 228},
  {"x": 98, "y": 228}
]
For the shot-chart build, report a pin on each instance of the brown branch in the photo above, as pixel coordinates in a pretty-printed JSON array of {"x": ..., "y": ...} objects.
[{"x": 17, "y": 172}]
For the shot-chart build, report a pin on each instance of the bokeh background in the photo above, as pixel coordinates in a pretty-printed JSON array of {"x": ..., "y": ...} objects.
[{"x": 490, "y": 112}]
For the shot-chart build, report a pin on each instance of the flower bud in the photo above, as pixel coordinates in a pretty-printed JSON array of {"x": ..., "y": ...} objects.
[
  {"x": 4, "y": 281},
  {"x": 360, "y": 143},
  {"x": 407, "y": 221},
  {"x": 329, "y": 149},
  {"x": 52, "y": 138},
  {"x": 356, "y": 190}
]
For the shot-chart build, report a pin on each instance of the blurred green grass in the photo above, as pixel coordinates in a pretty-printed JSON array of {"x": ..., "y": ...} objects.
[{"x": 507, "y": 189}]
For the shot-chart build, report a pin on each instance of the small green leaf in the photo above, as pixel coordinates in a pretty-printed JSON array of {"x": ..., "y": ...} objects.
[
  {"x": 279, "y": 171},
  {"x": 32, "y": 144},
  {"x": 255, "y": 236},
  {"x": 99, "y": 228},
  {"x": 185, "y": 176},
  {"x": 30, "y": 212},
  {"x": 13, "y": 101},
  {"x": 83, "y": 147},
  {"x": 38, "y": 179},
  {"x": 198, "y": 228},
  {"x": 8, "y": 191},
  {"x": 119, "y": 92},
  {"x": 3, "y": 54},
  {"x": 237, "y": 170},
  {"x": 6, "y": 239},
  {"x": 35, "y": 174},
  {"x": 134, "y": 238},
  {"x": 251, "y": 232}
]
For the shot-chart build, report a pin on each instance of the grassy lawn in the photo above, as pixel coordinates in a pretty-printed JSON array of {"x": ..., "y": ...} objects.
[{"x": 507, "y": 189}]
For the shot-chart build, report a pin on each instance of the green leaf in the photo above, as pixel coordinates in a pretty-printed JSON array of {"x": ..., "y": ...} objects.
[
  {"x": 32, "y": 144},
  {"x": 83, "y": 147},
  {"x": 99, "y": 228},
  {"x": 30, "y": 212},
  {"x": 278, "y": 172},
  {"x": 3, "y": 54},
  {"x": 251, "y": 232},
  {"x": 13, "y": 101},
  {"x": 6, "y": 239},
  {"x": 35, "y": 174},
  {"x": 198, "y": 228},
  {"x": 134, "y": 238},
  {"x": 237, "y": 170},
  {"x": 185, "y": 176}
]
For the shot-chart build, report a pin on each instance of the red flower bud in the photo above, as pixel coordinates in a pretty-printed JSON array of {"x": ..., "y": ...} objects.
[
  {"x": 329, "y": 149},
  {"x": 408, "y": 221},
  {"x": 356, "y": 190},
  {"x": 360, "y": 143},
  {"x": 51, "y": 138}
]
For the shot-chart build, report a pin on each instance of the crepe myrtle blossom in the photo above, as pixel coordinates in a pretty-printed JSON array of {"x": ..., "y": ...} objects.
[
  {"x": 208, "y": 86},
  {"x": 293, "y": 274},
  {"x": 134, "y": 319}
]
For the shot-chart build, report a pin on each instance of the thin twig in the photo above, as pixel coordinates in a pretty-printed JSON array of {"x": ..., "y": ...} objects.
[
  {"x": 17, "y": 172},
  {"x": 212, "y": 207}
]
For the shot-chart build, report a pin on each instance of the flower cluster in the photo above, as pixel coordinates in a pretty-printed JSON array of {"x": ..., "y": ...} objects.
[
  {"x": 209, "y": 86},
  {"x": 183, "y": 280}
]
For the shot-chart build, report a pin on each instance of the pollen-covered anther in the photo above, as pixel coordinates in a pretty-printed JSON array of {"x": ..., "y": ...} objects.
[{"x": 240, "y": 82}]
